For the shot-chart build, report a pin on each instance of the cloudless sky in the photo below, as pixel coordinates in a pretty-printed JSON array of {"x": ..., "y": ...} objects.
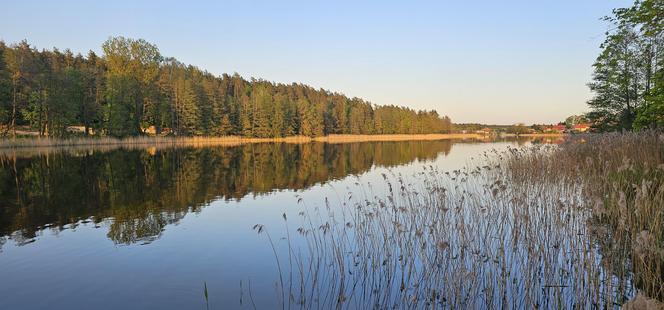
[{"x": 477, "y": 61}]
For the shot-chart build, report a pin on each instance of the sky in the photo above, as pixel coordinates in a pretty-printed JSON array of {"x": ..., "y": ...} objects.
[{"x": 487, "y": 61}]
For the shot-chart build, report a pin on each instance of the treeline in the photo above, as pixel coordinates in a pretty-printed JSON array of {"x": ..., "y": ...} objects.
[
  {"x": 132, "y": 90},
  {"x": 628, "y": 80},
  {"x": 477, "y": 126}
]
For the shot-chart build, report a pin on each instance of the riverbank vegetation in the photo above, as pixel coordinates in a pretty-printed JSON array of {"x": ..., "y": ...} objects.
[
  {"x": 32, "y": 145},
  {"x": 579, "y": 225},
  {"x": 133, "y": 90}
]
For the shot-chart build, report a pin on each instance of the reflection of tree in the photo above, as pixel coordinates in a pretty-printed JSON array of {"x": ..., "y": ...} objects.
[
  {"x": 146, "y": 228},
  {"x": 142, "y": 191}
]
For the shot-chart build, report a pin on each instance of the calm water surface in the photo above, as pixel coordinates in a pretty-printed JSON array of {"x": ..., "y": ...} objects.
[{"x": 147, "y": 228}]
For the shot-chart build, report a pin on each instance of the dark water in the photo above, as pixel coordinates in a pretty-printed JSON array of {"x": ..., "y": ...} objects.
[{"x": 148, "y": 228}]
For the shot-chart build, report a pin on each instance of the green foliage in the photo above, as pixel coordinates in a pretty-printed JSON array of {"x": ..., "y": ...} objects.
[
  {"x": 5, "y": 86},
  {"x": 518, "y": 129},
  {"x": 651, "y": 115},
  {"x": 575, "y": 120},
  {"x": 133, "y": 90},
  {"x": 628, "y": 81},
  {"x": 120, "y": 113},
  {"x": 538, "y": 127},
  {"x": 394, "y": 120},
  {"x": 45, "y": 90},
  {"x": 131, "y": 64}
]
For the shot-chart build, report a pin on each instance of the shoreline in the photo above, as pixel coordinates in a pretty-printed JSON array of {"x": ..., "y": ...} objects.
[
  {"x": 36, "y": 142},
  {"x": 536, "y": 135},
  {"x": 8, "y": 145}
]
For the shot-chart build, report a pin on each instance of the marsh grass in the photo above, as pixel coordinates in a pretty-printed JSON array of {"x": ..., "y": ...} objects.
[{"x": 572, "y": 226}]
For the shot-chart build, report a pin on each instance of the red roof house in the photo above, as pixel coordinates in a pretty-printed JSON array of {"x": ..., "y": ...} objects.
[{"x": 583, "y": 127}]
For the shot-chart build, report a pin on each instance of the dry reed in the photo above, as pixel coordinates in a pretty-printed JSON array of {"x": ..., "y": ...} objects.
[
  {"x": 30, "y": 146},
  {"x": 571, "y": 226}
]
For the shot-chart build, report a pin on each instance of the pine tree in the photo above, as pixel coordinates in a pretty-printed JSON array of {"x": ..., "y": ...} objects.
[
  {"x": 5, "y": 89},
  {"x": 132, "y": 88}
]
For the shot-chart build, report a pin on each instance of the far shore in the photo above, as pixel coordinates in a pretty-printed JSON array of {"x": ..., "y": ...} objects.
[
  {"x": 535, "y": 135},
  {"x": 27, "y": 143}
]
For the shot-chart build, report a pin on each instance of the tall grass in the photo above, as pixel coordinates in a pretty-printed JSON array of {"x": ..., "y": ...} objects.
[
  {"x": 622, "y": 176},
  {"x": 29, "y": 146},
  {"x": 33, "y": 142},
  {"x": 572, "y": 226}
]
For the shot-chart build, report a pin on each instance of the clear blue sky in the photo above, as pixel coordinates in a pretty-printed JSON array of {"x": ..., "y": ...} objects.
[{"x": 476, "y": 61}]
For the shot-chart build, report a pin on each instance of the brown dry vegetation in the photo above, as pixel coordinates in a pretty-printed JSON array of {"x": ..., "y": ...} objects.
[
  {"x": 622, "y": 181},
  {"x": 234, "y": 140},
  {"x": 45, "y": 145},
  {"x": 537, "y": 135},
  {"x": 578, "y": 225}
]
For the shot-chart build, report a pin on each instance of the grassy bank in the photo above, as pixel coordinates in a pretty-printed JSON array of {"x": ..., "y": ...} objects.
[{"x": 578, "y": 225}]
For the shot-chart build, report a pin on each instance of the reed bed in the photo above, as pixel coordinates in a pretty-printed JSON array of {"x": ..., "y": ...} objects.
[
  {"x": 551, "y": 135},
  {"x": 404, "y": 137},
  {"x": 25, "y": 147},
  {"x": 208, "y": 141},
  {"x": 572, "y": 226}
]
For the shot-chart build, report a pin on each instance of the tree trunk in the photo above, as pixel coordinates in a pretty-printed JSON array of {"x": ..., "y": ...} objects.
[{"x": 13, "y": 122}]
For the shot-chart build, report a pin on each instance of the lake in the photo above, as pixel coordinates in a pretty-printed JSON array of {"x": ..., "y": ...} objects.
[{"x": 161, "y": 228}]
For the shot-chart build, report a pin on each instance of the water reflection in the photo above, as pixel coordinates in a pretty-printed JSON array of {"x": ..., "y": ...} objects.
[{"x": 139, "y": 192}]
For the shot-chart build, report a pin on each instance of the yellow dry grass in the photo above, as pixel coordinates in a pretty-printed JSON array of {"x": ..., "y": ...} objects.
[
  {"x": 211, "y": 141},
  {"x": 537, "y": 135},
  {"x": 28, "y": 146},
  {"x": 367, "y": 138}
]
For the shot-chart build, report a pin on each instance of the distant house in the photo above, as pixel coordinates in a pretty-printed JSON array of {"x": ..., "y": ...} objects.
[
  {"x": 484, "y": 131},
  {"x": 583, "y": 127}
]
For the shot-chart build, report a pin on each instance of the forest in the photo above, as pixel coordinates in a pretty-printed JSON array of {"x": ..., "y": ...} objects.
[{"x": 133, "y": 90}]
